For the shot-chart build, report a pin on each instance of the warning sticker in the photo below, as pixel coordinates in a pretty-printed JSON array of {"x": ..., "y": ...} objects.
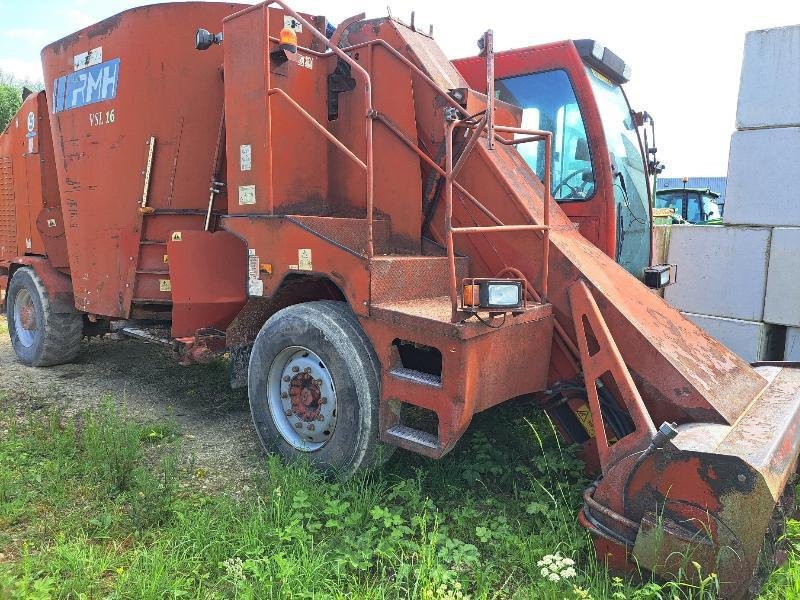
[
  {"x": 245, "y": 157},
  {"x": 584, "y": 415},
  {"x": 290, "y": 22},
  {"x": 87, "y": 59},
  {"x": 165, "y": 285},
  {"x": 247, "y": 194},
  {"x": 304, "y": 260},
  {"x": 255, "y": 287},
  {"x": 252, "y": 266}
]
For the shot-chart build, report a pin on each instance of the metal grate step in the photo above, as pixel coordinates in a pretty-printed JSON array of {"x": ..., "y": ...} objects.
[
  {"x": 415, "y": 436},
  {"x": 416, "y": 376}
]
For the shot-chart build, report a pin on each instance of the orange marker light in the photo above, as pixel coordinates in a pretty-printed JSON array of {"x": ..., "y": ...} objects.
[{"x": 288, "y": 39}]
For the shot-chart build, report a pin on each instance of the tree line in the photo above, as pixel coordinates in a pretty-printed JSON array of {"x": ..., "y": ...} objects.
[{"x": 11, "y": 95}]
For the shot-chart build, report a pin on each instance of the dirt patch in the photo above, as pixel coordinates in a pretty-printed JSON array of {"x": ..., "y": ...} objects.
[{"x": 217, "y": 436}]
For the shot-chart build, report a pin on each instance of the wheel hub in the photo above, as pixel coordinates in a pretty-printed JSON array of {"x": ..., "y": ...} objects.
[
  {"x": 25, "y": 321},
  {"x": 302, "y": 398},
  {"x": 27, "y": 316},
  {"x": 305, "y": 396}
]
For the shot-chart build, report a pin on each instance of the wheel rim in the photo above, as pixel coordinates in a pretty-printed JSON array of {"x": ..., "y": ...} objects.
[
  {"x": 25, "y": 322},
  {"x": 302, "y": 398}
]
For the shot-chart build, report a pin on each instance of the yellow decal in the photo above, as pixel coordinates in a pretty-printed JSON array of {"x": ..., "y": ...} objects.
[
  {"x": 165, "y": 285},
  {"x": 177, "y": 236},
  {"x": 166, "y": 258},
  {"x": 584, "y": 415}
]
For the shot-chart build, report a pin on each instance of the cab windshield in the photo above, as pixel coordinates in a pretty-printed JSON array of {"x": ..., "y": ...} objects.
[{"x": 629, "y": 174}]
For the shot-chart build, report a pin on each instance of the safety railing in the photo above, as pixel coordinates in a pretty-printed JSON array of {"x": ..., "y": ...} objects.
[
  {"x": 367, "y": 164},
  {"x": 450, "y": 172}
]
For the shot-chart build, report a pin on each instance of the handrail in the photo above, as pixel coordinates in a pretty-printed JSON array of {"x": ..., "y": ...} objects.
[
  {"x": 362, "y": 73},
  {"x": 450, "y": 171}
]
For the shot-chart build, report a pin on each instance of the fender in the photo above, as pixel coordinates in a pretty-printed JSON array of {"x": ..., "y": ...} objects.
[{"x": 58, "y": 284}]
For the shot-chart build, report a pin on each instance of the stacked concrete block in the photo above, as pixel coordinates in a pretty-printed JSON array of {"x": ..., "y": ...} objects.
[
  {"x": 741, "y": 282},
  {"x": 722, "y": 271},
  {"x": 764, "y": 177},
  {"x": 769, "y": 87}
]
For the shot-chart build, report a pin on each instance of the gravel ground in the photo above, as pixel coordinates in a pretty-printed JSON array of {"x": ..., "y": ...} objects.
[{"x": 147, "y": 384}]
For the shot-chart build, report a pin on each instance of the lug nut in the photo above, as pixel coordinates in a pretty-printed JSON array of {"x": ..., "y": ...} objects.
[
  {"x": 287, "y": 379},
  {"x": 295, "y": 369},
  {"x": 323, "y": 400},
  {"x": 320, "y": 418},
  {"x": 289, "y": 413},
  {"x": 318, "y": 382},
  {"x": 284, "y": 395},
  {"x": 298, "y": 425},
  {"x": 310, "y": 427},
  {"x": 307, "y": 370}
]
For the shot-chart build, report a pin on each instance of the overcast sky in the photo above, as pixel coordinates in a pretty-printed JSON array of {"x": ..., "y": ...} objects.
[{"x": 685, "y": 54}]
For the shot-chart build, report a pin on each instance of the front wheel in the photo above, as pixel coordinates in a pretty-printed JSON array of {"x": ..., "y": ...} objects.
[
  {"x": 313, "y": 383},
  {"x": 39, "y": 336}
]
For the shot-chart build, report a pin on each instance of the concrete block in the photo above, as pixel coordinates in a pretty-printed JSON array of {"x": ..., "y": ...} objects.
[
  {"x": 770, "y": 82},
  {"x": 764, "y": 177},
  {"x": 792, "y": 349},
  {"x": 722, "y": 271},
  {"x": 782, "y": 300},
  {"x": 751, "y": 340}
]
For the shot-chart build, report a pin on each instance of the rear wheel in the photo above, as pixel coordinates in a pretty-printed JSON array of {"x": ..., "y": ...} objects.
[
  {"x": 39, "y": 336},
  {"x": 313, "y": 383}
]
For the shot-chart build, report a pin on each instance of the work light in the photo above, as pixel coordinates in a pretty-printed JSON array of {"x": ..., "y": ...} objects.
[{"x": 493, "y": 294}]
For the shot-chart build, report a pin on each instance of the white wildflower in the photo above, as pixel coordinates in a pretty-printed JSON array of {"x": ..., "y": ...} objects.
[
  {"x": 568, "y": 562},
  {"x": 568, "y": 573},
  {"x": 545, "y": 572},
  {"x": 553, "y": 577}
]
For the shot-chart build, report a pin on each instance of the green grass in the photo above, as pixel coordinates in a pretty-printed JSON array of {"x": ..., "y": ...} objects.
[
  {"x": 96, "y": 507},
  {"x": 3, "y": 324}
]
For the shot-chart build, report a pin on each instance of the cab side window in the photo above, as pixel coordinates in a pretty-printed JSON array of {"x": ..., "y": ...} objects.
[{"x": 548, "y": 103}]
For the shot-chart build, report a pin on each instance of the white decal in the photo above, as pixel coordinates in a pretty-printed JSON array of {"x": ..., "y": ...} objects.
[
  {"x": 30, "y": 145},
  {"x": 255, "y": 287},
  {"x": 251, "y": 252},
  {"x": 252, "y": 266},
  {"x": 28, "y": 243},
  {"x": 304, "y": 259},
  {"x": 51, "y": 222},
  {"x": 245, "y": 157},
  {"x": 306, "y": 61},
  {"x": 101, "y": 118},
  {"x": 291, "y": 23},
  {"x": 87, "y": 59},
  {"x": 164, "y": 285},
  {"x": 31, "y": 121},
  {"x": 247, "y": 194}
]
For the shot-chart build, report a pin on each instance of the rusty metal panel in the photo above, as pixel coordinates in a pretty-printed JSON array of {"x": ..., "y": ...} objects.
[
  {"x": 208, "y": 277},
  {"x": 111, "y": 87}
]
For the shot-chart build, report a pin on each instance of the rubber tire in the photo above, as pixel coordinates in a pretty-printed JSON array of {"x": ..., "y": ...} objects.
[
  {"x": 332, "y": 331},
  {"x": 58, "y": 341}
]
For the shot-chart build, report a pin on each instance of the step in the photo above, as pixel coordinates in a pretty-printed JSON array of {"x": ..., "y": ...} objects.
[
  {"x": 348, "y": 232},
  {"x": 398, "y": 278},
  {"x": 416, "y": 376},
  {"x": 155, "y": 335},
  {"x": 410, "y": 438}
]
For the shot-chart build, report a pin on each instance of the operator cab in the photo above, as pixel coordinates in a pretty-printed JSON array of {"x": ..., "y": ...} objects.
[{"x": 600, "y": 175}]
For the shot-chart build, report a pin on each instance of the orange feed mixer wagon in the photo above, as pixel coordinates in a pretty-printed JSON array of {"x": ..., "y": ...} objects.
[{"x": 368, "y": 227}]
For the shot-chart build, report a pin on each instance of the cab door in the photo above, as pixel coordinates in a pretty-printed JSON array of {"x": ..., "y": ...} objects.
[{"x": 550, "y": 84}]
